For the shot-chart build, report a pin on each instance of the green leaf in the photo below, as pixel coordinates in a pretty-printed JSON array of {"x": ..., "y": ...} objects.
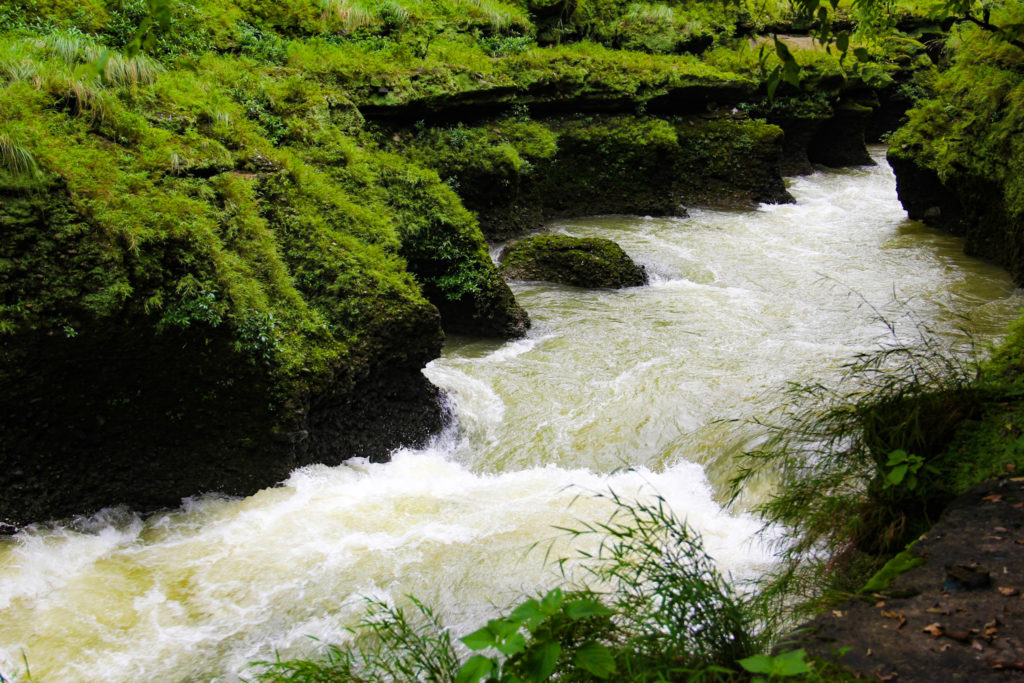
[
  {"x": 896, "y": 457},
  {"x": 772, "y": 83},
  {"x": 502, "y": 628},
  {"x": 475, "y": 668},
  {"x": 895, "y": 476},
  {"x": 581, "y": 609},
  {"x": 786, "y": 664},
  {"x": 843, "y": 41},
  {"x": 525, "y": 612},
  {"x": 758, "y": 664},
  {"x": 791, "y": 74},
  {"x": 480, "y": 639},
  {"x": 862, "y": 54},
  {"x": 542, "y": 661},
  {"x": 791, "y": 663},
  {"x": 550, "y": 603},
  {"x": 595, "y": 658},
  {"x": 782, "y": 50},
  {"x": 515, "y": 644}
]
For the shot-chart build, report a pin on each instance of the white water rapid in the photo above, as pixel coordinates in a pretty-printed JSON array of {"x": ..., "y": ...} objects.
[{"x": 740, "y": 302}]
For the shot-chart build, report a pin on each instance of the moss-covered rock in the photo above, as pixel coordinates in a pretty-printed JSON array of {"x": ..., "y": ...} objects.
[
  {"x": 518, "y": 173},
  {"x": 591, "y": 262},
  {"x": 207, "y": 281},
  {"x": 959, "y": 160}
]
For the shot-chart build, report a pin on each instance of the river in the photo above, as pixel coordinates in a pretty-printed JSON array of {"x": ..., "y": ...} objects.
[{"x": 632, "y": 389}]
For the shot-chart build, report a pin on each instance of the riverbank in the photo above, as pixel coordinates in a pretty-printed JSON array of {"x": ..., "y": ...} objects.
[
  {"x": 231, "y": 253},
  {"x": 951, "y": 606}
]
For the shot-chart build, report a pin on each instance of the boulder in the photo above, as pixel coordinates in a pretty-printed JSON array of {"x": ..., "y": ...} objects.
[{"x": 590, "y": 262}]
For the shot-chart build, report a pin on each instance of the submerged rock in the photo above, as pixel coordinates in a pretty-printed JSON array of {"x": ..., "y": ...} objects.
[{"x": 591, "y": 262}]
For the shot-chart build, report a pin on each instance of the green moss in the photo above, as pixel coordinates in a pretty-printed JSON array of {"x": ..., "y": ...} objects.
[
  {"x": 516, "y": 173},
  {"x": 973, "y": 126},
  {"x": 178, "y": 207},
  {"x": 581, "y": 262},
  {"x": 900, "y": 563}
]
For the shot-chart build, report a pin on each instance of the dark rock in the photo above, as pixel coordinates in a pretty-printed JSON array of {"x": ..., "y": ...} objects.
[
  {"x": 626, "y": 165},
  {"x": 799, "y": 134},
  {"x": 121, "y": 416},
  {"x": 582, "y": 262},
  {"x": 920, "y": 630},
  {"x": 839, "y": 141},
  {"x": 964, "y": 205}
]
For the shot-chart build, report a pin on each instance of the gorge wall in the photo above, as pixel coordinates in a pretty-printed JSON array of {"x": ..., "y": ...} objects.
[{"x": 234, "y": 257}]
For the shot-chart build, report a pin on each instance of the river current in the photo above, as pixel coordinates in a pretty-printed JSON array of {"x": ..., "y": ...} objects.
[{"x": 640, "y": 390}]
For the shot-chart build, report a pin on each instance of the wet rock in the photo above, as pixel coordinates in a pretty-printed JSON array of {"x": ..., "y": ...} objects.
[
  {"x": 839, "y": 141},
  {"x": 956, "y": 615},
  {"x": 582, "y": 262}
]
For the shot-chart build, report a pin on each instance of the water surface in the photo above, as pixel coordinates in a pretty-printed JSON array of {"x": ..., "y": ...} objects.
[{"x": 740, "y": 302}]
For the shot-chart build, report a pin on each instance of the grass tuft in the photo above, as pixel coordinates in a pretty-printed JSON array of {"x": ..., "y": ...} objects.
[
  {"x": 388, "y": 645},
  {"x": 858, "y": 467},
  {"x": 16, "y": 159}
]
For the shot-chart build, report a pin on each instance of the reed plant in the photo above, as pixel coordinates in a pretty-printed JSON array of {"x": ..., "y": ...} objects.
[
  {"x": 15, "y": 158},
  {"x": 389, "y": 644},
  {"x": 859, "y": 467}
]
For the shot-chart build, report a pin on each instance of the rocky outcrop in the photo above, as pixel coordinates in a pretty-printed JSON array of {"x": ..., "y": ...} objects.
[
  {"x": 516, "y": 174},
  {"x": 120, "y": 415},
  {"x": 839, "y": 140},
  {"x": 963, "y": 205},
  {"x": 216, "y": 341},
  {"x": 820, "y": 132},
  {"x": 589, "y": 262}
]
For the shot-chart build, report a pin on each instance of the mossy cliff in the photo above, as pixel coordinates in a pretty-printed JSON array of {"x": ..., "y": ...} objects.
[
  {"x": 518, "y": 173},
  {"x": 959, "y": 161},
  {"x": 206, "y": 282},
  {"x": 232, "y": 252}
]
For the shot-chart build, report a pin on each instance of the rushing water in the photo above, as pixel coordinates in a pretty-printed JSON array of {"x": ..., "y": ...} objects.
[{"x": 739, "y": 303}]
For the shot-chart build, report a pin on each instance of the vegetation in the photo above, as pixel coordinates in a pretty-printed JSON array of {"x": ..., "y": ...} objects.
[
  {"x": 862, "y": 468},
  {"x": 286, "y": 191}
]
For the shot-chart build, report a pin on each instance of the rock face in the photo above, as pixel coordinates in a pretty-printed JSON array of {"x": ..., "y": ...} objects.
[
  {"x": 839, "y": 141},
  {"x": 257, "y": 326},
  {"x": 589, "y": 262},
  {"x": 964, "y": 205},
  {"x": 125, "y": 417},
  {"x": 516, "y": 174}
]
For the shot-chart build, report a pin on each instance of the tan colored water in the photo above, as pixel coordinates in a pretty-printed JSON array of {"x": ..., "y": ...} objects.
[{"x": 740, "y": 302}]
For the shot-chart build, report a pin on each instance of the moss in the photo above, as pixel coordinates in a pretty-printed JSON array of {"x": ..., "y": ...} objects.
[
  {"x": 515, "y": 173},
  {"x": 969, "y": 137},
  {"x": 900, "y": 563},
  {"x": 220, "y": 225},
  {"x": 581, "y": 262}
]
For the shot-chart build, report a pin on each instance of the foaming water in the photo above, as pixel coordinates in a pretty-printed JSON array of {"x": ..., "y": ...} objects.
[
  {"x": 199, "y": 593},
  {"x": 643, "y": 378}
]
